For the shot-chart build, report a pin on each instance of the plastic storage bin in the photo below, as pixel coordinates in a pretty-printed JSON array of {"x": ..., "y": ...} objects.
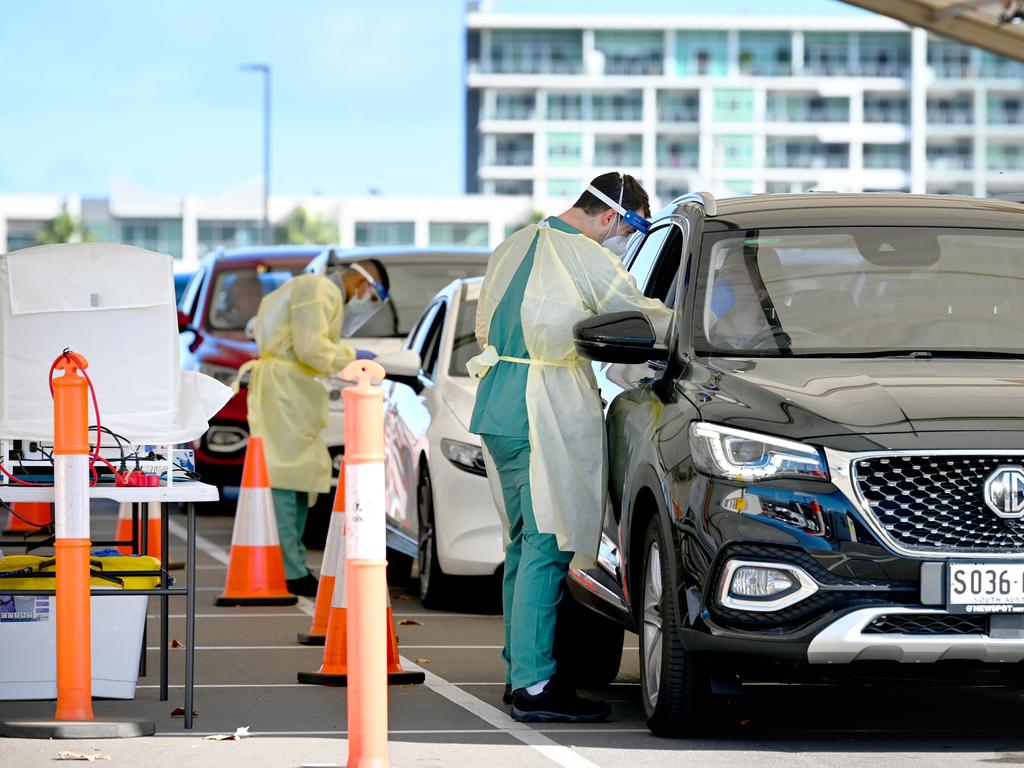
[{"x": 28, "y": 629}]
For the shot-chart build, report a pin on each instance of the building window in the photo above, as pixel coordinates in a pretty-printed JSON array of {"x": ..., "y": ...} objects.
[
  {"x": 565, "y": 106},
  {"x": 228, "y": 234},
  {"x": 565, "y": 188},
  {"x": 884, "y": 54},
  {"x": 677, "y": 152},
  {"x": 958, "y": 156},
  {"x": 734, "y": 151},
  {"x": 806, "y": 153},
  {"x": 678, "y": 107},
  {"x": 1005, "y": 110},
  {"x": 536, "y": 52},
  {"x": 1005, "y": 157},
  {"x": 459, "y": 233},
  {"x": 630, "y": 53},
  {"x": 887, "y": 156},
  {"x": 826, "y": 53},
  {"x": 565, "y": 150},
  {"x": 994, "y": 66},
  {"x": 949, "y": 60},
  {"x": 702, "y": 53},
  {"x": 22, "y": 234},
  {"x": 618, "y": 151},
  {"x": 786, "y": 107},
  {"x": 618, "y": 106},
  {"x": 883, "y": 108},
  {"x": 385, "y": 233},
  {"x": 767, "y": 54},
  {"x": 512, "y": 187},
  {"x": 956, "y": 109},
  {"x": 161, "y": 235},
  {"x": 670, "y": 190},
  {"x": 513, "y": 105},
  {"x": 734, "y": 105},
  {"x": 509, "y": 150}
]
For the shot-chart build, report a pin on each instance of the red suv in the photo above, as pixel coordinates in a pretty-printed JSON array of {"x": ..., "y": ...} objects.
[{"x": 221, "y": 298}]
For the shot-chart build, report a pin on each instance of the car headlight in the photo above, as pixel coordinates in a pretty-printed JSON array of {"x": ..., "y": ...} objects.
[
  {"x": 222, "y": 373},
  {"x": 464, "y": 456},
  {"x": 735, "y": 454}
]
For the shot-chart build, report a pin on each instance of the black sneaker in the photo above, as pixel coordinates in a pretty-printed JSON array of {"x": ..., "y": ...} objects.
[
  {"x": 304, "y": 586},
  {"x": 506, "y": 697},
  {"x": 556, "y": 704}
]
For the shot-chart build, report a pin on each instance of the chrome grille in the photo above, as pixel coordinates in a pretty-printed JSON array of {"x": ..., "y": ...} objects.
[
  {"x": 927, "y": 624},
  {"x": 932, "y": 504}
]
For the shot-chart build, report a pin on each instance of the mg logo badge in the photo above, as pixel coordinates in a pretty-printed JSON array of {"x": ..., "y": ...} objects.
[{"x": 1004, "y": 492}]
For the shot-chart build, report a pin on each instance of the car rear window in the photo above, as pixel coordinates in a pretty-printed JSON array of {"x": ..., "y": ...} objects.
[{"x": 412, "y": 287}]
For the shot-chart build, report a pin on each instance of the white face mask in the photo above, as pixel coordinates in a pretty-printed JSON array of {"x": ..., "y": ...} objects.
[
  {"x": 616, "y": 244},
  {"x": 358, "y": 310}
]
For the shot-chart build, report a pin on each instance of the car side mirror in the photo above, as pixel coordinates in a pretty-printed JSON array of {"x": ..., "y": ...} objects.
[
  {"x": 183, "y": 324},
  {"x": 618, "y": 337},
  {"x": 403, "y": 368}
]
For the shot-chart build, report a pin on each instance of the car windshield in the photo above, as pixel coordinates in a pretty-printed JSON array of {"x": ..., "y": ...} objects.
[
  {"x": 237, "y": 294},
  {"x": 464, "y": 344},
  {"x": 861, "y": 291},
  {"x": 411, "y": 287}
]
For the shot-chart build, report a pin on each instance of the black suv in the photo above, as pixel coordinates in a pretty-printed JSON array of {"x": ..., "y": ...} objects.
[{"x": 821, "y": 474}]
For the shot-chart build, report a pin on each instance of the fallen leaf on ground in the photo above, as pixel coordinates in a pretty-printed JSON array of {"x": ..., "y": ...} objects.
[
  {"x": 77, "y": 756},
  {"x": 180, "y": 712},
  {"x": 410, "y": 623},
  {"x": 405, "y": 597},
  {"x": 422, "y": 661},
  {"x": 240, "y": 733},
  {"x": 175, "y": 644}
]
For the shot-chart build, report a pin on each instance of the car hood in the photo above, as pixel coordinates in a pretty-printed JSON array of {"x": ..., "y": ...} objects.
[
  {"x": 849, "y": 398},
  {"x": 460, "y": 395}
]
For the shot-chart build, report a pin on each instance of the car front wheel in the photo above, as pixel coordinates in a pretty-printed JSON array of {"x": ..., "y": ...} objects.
[{"x": 675, "y": 684}]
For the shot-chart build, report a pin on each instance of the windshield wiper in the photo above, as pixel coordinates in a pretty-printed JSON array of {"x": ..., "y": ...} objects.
[{"x": 920, "y": 354}]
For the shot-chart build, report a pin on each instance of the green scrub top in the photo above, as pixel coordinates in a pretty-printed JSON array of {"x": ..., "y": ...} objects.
[{"x": 500, "y": 407}]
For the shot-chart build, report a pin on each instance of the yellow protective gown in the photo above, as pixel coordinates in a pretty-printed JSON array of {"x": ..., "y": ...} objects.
[
  {"x": 573, "y": 278},
  {"x": 298, "y": 331}
]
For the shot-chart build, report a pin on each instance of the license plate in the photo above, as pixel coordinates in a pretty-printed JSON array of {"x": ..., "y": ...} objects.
[{"x": 985, "y": 588}]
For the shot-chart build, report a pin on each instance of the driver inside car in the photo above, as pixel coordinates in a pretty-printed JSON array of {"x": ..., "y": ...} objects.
[{"x": 737, "y": 314}]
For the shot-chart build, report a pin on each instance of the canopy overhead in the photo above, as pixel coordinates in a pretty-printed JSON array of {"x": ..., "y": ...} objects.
[{"x": 995, "y": 25}]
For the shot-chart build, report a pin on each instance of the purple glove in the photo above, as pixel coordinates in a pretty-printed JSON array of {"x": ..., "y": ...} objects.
[{"x": 365, "y": 354}]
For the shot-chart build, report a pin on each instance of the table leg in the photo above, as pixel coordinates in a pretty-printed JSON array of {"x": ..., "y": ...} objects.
[
  {"x": 164, "y": 600},
  {"x": 190, "y": 615},
  {"x": 136, "y": 550}
]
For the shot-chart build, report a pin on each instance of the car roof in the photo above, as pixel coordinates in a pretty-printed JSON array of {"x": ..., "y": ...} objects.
[
  {"x": 831, "y": 209},
  {"x": 397, "y": 252},
  {"x": 257, "y": 253}
]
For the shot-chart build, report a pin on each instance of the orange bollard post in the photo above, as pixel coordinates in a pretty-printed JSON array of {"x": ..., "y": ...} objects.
[
  {"x": 29, "y": 517},
  {"x": 366, "y": 567},
  {"x": 71, "y": 496},
  {"x": 333, "y": 554}
]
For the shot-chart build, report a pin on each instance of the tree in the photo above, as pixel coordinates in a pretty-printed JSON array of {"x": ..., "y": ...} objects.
[
  {"x": 303, "y": 228},
  {"x": 64, "y": 228},
  {"x": 532, "y": 218}
]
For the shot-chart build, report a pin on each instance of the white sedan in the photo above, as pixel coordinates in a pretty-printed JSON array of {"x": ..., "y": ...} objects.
[{"x": 439, "y": 504}]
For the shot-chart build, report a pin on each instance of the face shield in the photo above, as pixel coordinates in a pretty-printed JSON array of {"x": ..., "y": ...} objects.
[
  {"x": 615, "y": 240},
  {"x": 368, "y": 299}
]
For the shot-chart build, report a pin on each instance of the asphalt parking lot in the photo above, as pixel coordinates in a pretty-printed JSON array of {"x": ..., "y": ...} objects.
[{"x": 247, "y": 660}]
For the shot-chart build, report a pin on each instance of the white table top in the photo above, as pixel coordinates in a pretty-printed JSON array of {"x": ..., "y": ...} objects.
[{"x": 181, "y": 490}]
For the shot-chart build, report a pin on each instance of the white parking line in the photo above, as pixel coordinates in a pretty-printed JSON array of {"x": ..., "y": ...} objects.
[
  {"x": 453, "y": 732},
  {"x": 245, "y": 615},
  {"x": 295, "y": 646},
  {"x": 563, "y": 756}
]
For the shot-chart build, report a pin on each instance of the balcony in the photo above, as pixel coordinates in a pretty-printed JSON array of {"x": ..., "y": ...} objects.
[
  {"x": 802, "y": 155},
  {"x": 944, "y": 162},
  {"x": 938, "y": 116},
  {"x": 508, "y": 159},
  {"x": 886, "y": 114},
  {"x": 651, "y": 64},
  {"x": 792, "y": 113},
  {"x": 613, "y": 159},
  {"x": 552, "y": 66}
]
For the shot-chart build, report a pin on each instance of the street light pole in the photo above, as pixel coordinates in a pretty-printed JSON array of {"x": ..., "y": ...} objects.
[{"x": 264, "y": 69}]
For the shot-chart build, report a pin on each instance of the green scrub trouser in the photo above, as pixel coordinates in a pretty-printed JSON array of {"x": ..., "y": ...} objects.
[
  {"x": 290, "y": 510},
  {"x": 534, "y": 570}
]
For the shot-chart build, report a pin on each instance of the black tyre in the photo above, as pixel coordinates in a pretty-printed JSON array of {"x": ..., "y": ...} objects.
[
  {"x": 588, "y": 646},
  {"x": 433, "y": 581},
  {"x": 399, "y": 568},
  {"x": 675, "y": 685}
]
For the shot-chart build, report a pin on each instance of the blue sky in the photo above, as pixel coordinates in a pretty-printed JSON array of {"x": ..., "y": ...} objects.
[{"x": 365, "y": 94}]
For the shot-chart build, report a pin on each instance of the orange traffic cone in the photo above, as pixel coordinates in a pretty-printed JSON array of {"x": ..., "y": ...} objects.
[
  {"x": 256, "y": 569},
  {"x": 334, "y": 669},
  {"x": 334, "y": 555},
  {"x": 29, "y": 517}
]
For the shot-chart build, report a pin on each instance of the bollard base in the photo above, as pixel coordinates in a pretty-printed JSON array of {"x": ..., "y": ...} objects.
[
  {"x": 341, "y": 681},
  {"x": 224, "y": 600},
  {"x": 307, "y": 639},
  {"x": 76, "y": 729}
]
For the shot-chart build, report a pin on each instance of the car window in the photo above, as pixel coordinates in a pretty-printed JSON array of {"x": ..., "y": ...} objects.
[
  {"x": 237, "y": 294},
  {"x": 432, "y": 343},
  {"x": 662, "y": 284},
  {"x": 188, "y": 298},
  {"x": 647, "y": 256},
  {"x": 423, "y": 328},
  {"x": 464, "y": 344},
  {"x": 411, "y": 286}
]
